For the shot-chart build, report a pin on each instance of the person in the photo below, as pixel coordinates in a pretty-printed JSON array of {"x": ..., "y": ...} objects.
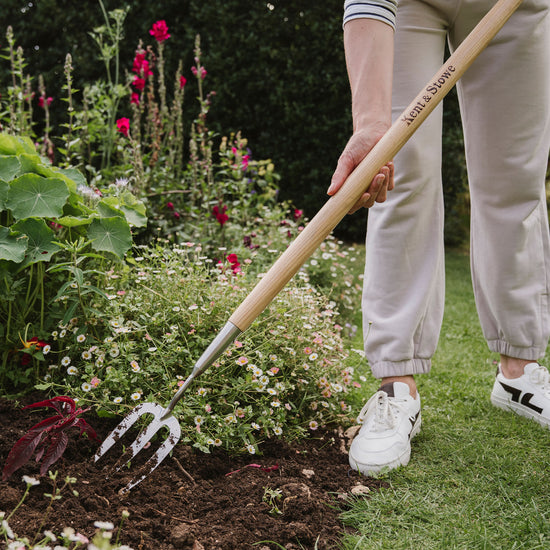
[{"x": 392, "y": 49}]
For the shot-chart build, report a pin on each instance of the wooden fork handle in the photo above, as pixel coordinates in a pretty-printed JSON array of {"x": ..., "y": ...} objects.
[{"x": 358, "y": 182}]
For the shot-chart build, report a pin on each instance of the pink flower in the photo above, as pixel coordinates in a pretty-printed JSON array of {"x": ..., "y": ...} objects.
[
  {"x": 160, "y": 31},
  {"x": 135, "y": 98},
  {"x": 170, "y": 205},
  {"x": 44, "y": 101},
  {"x": 232, "y": 258},
  {"x": 298, "y": 214},
  {"x": 95, "y": 381},
  {"x": 123, "y": 126},
  {"x": 244, "y": 161},
  {"x": 200, "y": 70},
  {"x": 183, "y": 82}
]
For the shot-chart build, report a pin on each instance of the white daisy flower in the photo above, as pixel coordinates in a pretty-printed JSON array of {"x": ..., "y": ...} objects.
[
  {"x": 86, "y": 387},
  {"x": 105, "y": 525},
  {"x": 251, "y": 449},
  {"x": 81, "y": 338},
  {"x": 66, "y": 361},
  {"x": 72, "y": 371},
  {"x": 135, "y": 396},
  {"x": 117, "y": 400},
  {"x": 30, "y": 480}
]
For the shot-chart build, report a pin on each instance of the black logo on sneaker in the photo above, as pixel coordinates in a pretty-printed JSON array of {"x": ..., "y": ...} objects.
[
  {"x": 413, "y": 420},
  {"x": 524, "y": 399}
]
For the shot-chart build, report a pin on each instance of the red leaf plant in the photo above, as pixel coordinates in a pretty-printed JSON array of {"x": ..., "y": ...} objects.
[{"x": 49, "y": 437}]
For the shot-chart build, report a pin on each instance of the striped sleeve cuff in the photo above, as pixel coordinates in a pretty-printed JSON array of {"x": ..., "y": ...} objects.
[{"x": 382, "y": 10}]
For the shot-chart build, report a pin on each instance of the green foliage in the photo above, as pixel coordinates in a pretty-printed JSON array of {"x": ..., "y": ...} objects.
[
  {"x": 123, "y": 331},
  {"x": 289, "y": 373},
  {"x": 44, "y": 211}
]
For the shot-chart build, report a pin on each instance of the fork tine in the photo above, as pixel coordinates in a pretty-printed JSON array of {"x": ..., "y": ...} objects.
[
  {"x": 127, "y": 422},
  {"x": 144, "y": 437},
  {"x": 160, "y": 455}
]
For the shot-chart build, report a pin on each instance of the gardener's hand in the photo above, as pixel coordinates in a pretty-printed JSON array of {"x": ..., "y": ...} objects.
[{"x": 356, "y": 149}]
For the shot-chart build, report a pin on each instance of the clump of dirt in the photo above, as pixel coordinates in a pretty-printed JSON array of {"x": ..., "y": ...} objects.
[{"x": 290, "y": 496}]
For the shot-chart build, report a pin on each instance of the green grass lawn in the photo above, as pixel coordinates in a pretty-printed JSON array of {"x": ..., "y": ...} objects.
[{"x": 479, "y": 478}]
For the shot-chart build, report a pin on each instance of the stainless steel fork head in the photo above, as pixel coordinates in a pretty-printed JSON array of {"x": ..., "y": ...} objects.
[{"x": 143, "y": 438}]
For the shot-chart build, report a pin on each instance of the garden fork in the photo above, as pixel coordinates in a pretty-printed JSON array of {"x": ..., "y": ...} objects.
[{"x": 312, "y": 236}]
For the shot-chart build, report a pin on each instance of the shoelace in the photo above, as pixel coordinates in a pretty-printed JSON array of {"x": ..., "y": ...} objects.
[
  {"x": 385, "y": 412},
  {"x": 541, "y": 377}
]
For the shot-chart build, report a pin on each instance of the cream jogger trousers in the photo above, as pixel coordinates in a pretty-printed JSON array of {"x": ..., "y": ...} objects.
[{"x": 505, "y": 105}]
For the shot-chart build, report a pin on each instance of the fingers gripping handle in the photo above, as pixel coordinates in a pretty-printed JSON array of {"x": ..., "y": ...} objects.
[{"x": 357, "y": 183}]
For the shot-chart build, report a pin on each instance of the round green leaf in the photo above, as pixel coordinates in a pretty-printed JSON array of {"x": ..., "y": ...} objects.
[
  {"x": 31, "y": 195},
  {"x": 110, "y": 235},
  {"x": 14, "y": 145},
  {"x": 41, "y": 243},
  {"x": 12, "y": 245},
  {"x": 3, "y": 194},
  {"x": 9, "y": 167}
]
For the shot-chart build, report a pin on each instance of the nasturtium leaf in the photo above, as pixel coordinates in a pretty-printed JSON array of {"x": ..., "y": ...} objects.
[
  {"x": 12, "y": 245},
  {"x": 41, "y": 244},
  {"x": 110, "y": 235},
  {"x": 108, "y": 208},
  {"x": 73, "y": 221},
  {"x": 75, "y": 175},
  {"x": 35, "y": 164},
  {"x": 15, "y": 145},
  {"x": 9, "y": 167},
  {"x": 133, "y": 209},
  {"x": 3, "y": 194},
  {"x": 31, "y": 195}
]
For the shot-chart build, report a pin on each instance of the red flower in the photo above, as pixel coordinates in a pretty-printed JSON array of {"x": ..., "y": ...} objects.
[
  {"x": 123, "y": 126},
  {"x": 183, "y": 82},
  {"x": 220, "y": 215},
  {"x": 160, "y": 31},
  {"x": 298, "y": 214},
  {"x": 234, "y": 261},
  {"x": 141, "y": 65},
  {"x": 138, "y": 83},
  {"x": 135, "y": 98},
  {"x": 170, "y": 205}
]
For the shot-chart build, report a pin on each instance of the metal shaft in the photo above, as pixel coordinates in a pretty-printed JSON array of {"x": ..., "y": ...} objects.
[{"x": 224, "y": 338}]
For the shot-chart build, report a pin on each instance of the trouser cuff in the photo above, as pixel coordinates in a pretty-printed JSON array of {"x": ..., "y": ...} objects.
[
  {"x": 384, "y": 369},
  {"x": 504, "y": 348}
]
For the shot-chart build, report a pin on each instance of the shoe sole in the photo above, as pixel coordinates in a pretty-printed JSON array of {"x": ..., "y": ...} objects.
[
  {"x": 402, "y": 460},
  {"x": 518, "y": 408}
]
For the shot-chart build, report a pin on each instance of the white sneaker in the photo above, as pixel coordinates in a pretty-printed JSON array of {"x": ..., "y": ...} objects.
[
  {"x": 391, "y": 418},
  {"x": 528, "y": 395}
]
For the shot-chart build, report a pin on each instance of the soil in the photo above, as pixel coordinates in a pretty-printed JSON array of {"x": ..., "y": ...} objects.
[{"x": 193, "y": 500}]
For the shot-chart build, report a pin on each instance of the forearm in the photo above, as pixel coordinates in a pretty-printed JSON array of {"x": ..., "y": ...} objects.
[{"x": 368, "y": 46}]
